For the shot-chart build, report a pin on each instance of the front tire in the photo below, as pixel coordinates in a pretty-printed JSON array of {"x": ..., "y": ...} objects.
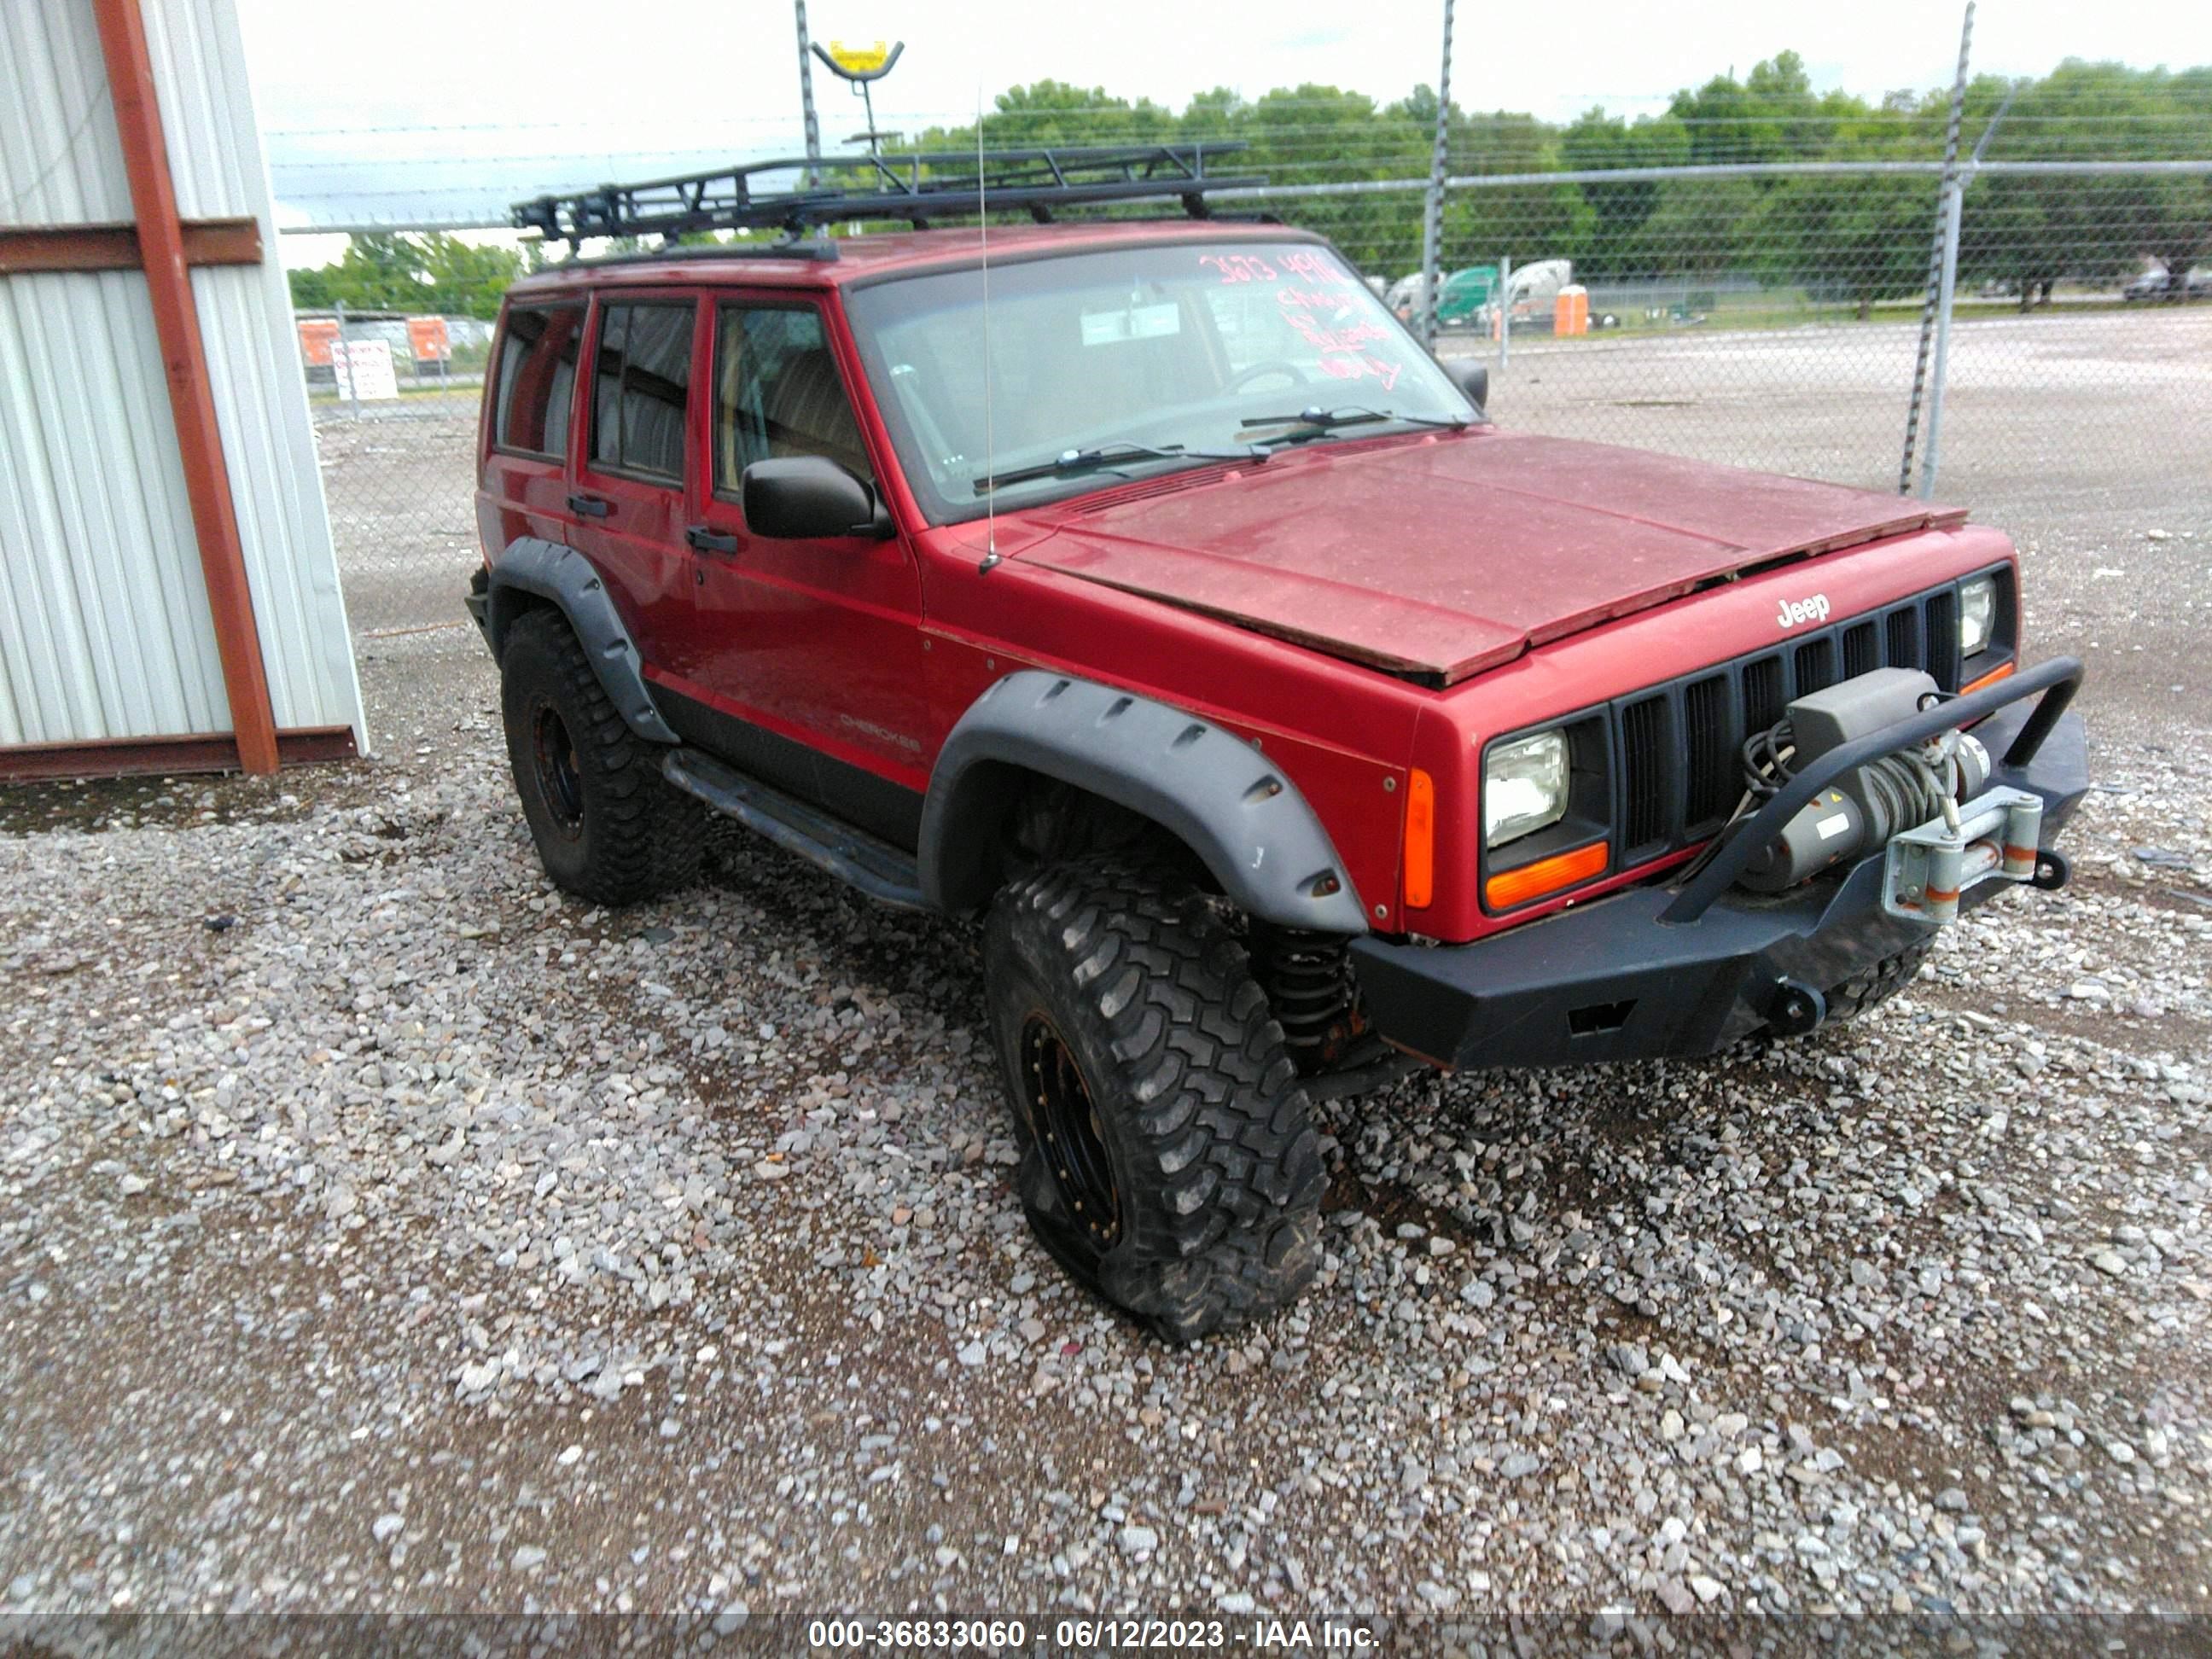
[
  {"x": 1168, "y": 1157},
  {"x": 609, "y": 827},
  {"x": 1870, "y": 987}
]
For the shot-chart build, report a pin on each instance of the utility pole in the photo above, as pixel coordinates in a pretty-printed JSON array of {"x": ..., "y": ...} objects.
[
  {"x": 1432, "y": 219},
  {"x": 1955, "y": 210},
  {"x": 806, "y": 91},
  {"x": 1942, "y": 264}
]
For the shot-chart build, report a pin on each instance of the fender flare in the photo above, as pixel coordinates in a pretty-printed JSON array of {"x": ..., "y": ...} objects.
[
  {"x": 1224, "y": 800},
  {"x": 565, "y": 577}
]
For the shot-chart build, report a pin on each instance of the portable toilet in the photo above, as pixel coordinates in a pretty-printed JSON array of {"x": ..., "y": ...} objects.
[{"x": 1570, "y": 310}]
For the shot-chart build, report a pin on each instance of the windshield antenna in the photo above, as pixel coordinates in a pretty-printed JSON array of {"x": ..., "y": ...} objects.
[{"x": 990, "y": 441}]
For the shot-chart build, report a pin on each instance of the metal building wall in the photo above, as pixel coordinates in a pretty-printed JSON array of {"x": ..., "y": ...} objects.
[{"x": 105, "y": 631}]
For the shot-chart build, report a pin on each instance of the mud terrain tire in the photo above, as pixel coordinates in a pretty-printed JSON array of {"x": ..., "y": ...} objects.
[
  {"x": 1168, "y": 1158},
  {"x": 609, "y": 826},
  {"x": 1870, "y": 987}
]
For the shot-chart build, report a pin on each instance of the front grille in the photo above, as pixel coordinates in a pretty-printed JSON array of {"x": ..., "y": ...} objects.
[
  {"x": 1644, "y": 749},
  {"x": 1816, "y": 665},
  {"x": 1710, "y": 752},
  {"x": 1763, "y": 696},
  {"x": 1680, "y": 744},
  {"x": 1861, "y": 649}
]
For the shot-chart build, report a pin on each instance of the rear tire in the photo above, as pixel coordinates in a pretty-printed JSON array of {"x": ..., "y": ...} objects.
[
  {"x": 609, "y": 827},
  {"x": 1168, "y": 1157}
]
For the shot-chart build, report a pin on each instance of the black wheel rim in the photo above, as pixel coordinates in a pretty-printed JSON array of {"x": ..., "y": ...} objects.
[
  {"x": 1073, "y": 1139},
  {"x": 560, "y": 781}
]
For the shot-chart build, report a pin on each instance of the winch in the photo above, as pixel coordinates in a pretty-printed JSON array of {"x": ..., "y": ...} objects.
[{"x": 1927, "y": 804}]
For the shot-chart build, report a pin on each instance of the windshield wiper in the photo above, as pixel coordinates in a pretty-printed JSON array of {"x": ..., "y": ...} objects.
[
  {"x": 1070, "y": 463},
  {"x": 1315, "y": 422}
]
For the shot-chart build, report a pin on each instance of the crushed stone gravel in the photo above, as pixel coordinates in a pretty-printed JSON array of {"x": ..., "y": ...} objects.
[{"x": 379, "y": 1230}]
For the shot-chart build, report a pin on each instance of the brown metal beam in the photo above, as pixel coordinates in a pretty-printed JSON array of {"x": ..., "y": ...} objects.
[
  {"x": 25, "y": 248},
  {"x": 117, "y": 758},
  {"x": 184, "y": 357}
]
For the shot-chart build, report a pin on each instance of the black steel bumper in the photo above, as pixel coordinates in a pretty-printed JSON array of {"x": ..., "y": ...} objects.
[{"x": 1612, "y": 980}]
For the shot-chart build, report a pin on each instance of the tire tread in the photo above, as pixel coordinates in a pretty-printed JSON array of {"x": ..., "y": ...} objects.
[
  {"x": 1228, "y": 1230},
  {"x": 643, "y": 839}
]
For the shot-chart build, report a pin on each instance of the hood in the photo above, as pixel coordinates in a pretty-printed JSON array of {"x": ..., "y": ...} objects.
[{"x": 1443, "y": 555}]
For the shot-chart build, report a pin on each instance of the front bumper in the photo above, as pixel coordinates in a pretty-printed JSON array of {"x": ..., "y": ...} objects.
[{"x": 1611, "y": 981}]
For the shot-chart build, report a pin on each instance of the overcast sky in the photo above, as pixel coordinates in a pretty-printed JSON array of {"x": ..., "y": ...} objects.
[{"x": 426, "y": 108}]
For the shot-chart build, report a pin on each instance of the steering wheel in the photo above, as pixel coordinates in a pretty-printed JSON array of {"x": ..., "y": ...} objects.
[{"x": 1281, "y": 366}]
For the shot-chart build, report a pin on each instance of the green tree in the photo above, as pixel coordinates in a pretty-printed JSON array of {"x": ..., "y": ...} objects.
[
  {"x": 1845, "y": 238},
  {"x": 1596, "y": 142},
  {"x": 1772, "y": 115},
  {"x": 1855, "y": 238},
  {"x": 1701, "y": 229},
  {"x": 427, "y": 272},
  {"x": 2032, "y": 231}
]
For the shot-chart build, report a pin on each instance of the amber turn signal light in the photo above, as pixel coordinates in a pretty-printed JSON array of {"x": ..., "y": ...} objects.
[
  {"x": 1420, "y": 862},
  {"x": 1531, "y": 881},
  {"x": 1991, "y": 678}
]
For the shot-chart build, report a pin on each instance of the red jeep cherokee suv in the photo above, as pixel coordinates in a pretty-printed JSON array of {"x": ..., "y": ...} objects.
[{"x": 1146, "y": 588}]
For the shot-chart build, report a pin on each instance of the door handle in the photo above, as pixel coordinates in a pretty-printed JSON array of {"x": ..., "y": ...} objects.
[
  {"x": 710, "y": 541},
  {"x": 590, "y": 506}
]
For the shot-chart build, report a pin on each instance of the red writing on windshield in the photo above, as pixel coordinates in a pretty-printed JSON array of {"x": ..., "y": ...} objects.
[
  {"x": 1252, "y": 268},
  {"x": 1307, "y": 300},
  {"x": 1240, "y": 267},
  {"x": 1352, "y": 366}
]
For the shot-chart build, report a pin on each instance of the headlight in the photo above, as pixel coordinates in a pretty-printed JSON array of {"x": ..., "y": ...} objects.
[
  {"x": 1524, "y": 787},
  {"x": 1978, "y": 615}
]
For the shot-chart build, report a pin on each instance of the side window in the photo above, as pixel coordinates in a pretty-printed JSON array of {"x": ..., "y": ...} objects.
[
  {"x": 776, "y": 392},
  {"x": 641, "y": 383},
  {"x": 536, "y": 379}
]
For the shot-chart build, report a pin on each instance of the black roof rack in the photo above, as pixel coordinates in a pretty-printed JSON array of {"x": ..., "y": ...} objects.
[{"x": 919, "y": 188}]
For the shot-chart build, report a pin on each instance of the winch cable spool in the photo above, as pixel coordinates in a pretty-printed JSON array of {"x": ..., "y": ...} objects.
[
  {"x": 1903, "y": 789},
  {"x": 1898, "y": 791}
]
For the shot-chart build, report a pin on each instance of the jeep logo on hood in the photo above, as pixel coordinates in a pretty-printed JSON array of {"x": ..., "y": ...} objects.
[{"x": 1794, "y": 611}]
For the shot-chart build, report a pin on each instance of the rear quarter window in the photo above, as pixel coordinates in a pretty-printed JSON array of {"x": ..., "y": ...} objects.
[{"x": 538, "y": 351}]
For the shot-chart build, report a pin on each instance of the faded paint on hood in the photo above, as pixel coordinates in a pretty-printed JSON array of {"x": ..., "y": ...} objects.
[{"x": 1445, "y": 555}]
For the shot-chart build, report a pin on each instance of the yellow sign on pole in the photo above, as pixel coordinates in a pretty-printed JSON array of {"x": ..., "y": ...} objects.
[{"x": 860, "y": 60}]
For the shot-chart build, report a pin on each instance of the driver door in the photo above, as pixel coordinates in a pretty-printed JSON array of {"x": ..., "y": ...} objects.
[{"x": 806, "y": 662}]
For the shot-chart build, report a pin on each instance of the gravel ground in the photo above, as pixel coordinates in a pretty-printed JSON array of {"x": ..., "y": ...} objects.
[{"x": 380, "y": 1230}]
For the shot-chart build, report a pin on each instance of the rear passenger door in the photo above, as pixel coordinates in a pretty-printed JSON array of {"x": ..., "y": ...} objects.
[
  {"x": 808, "y": 653},
  {"x": 627, "y": 497},
  {"x": 533, "y": 393}
]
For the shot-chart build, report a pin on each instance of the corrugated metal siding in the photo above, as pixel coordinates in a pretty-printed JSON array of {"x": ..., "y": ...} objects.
[
  {"x": 104, "y": 626},
  {"x": 60, "y": 160}
]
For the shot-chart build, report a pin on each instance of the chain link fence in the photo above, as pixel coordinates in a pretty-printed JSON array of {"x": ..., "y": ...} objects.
[
  {"x": 1767, "y": 315},
  {"x": 394, "y": 398}
]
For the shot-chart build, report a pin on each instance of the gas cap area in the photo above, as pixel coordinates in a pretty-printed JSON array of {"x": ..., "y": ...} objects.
[{"x": 1925, "y": 784}]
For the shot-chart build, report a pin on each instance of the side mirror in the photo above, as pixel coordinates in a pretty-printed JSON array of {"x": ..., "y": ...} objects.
[
  {"x": 1471, "y": 378},
  {"x": 811, "y": 498}
]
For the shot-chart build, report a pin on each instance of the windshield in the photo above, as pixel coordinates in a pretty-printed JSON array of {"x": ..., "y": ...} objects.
[{"x": 1197, "y": 348}]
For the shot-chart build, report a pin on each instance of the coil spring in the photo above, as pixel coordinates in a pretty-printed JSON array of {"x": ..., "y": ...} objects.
[{"x": 1310, "y": 991}]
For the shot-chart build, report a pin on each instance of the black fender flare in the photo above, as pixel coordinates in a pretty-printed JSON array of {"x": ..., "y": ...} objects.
[
  {"x": 565, "y": 579},
  {"x": 1224, "y": 800}
]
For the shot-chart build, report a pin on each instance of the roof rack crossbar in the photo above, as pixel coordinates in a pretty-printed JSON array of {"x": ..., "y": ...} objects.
[{"x": 917, "y": 187}]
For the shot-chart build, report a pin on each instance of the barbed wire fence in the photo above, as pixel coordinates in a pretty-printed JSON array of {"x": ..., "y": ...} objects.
[{"x": 1757, "y": 313}]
